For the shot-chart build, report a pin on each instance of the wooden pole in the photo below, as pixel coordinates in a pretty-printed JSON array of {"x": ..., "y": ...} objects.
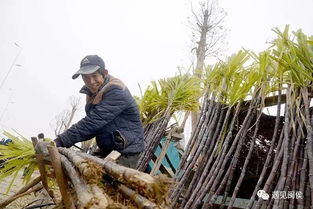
[{"x": 60, "y": 177}]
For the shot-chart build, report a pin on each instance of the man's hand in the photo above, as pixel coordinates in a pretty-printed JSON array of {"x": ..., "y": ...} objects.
[
  {"x": 41, "y": 148},
  {"x": 58, "y": 142}
]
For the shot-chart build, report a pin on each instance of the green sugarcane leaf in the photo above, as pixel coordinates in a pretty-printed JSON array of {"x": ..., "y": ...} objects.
[
  {"x": 13, "y": 179},
  {"x": 18, "y": 154}
]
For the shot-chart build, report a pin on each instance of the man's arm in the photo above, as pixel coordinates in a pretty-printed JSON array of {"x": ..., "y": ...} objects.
[{"x": 114, "y": 101}]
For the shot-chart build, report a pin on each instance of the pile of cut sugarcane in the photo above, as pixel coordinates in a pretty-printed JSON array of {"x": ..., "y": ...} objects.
[
  {"x": 86, "y": 181},
  {"x": 225, "y": 146}
]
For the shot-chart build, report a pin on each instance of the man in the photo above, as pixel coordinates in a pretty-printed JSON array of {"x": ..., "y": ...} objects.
[{"x": 112, "y": 115}]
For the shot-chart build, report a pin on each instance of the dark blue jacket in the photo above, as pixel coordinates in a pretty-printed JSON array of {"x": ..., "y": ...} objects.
[{"x": 112, "y": 116}]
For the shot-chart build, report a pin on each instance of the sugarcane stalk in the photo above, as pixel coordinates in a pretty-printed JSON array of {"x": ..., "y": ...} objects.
[
  {"x": 199, "y": 183},
  {"x": 309, "y": 138},
  {"x": 141, "y": 201},
  {"x": 153, "y": 187},
  {"x": 194, "y": 155},
  {"x": 29, "y": 185},
  {"x": 41, "y": 166},
  {"x": 219, "y": 171},
  {"x": 284, "y": 167},
  {"x": 208, "y": 116},
  {"x": 294, "y": 188},
  {"x": 270, "y": 178},
  {"x": 93, "y": 174},
  {"x": 100, "y": 199},
  {"x": 235, "y": 158},
  {"x": 295, "y": 177},
  {"x": 211, "y": 200},
  {"x": 80, "y": 186},
  {"x": 153, "y": 142},
  {"x": 226, "y": 141},
  {"x": 19, "y": 195},
  {"x": 192, "y": 140},
  {"x": 85, "y": 198},
  {"x": 23, "y": 190},
  {"x": 247, "y": 160},
  {"x": 207, "y": 139},
  {"x": 291, "y": 173},
  {"x": 232, "y": 166},
  {"x": 307, "y": 196},
  {"x": 196, "y": 136},
  {"x": 208, "y": 154},
  {"x": 60, "y": 177},
  {"x": 220, "y": 164},
  {"x": 303, "y": 176},
  {"x": 202, "y": 188},
  {"x": 269, "y": 203},
  {"x": 91, "y": 171},
  {"x": 270, "y": 152},
  {"x": 280, "y": 143}
]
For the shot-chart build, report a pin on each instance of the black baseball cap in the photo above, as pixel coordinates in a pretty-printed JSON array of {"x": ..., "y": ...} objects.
[{"x": 89, "y": 64}]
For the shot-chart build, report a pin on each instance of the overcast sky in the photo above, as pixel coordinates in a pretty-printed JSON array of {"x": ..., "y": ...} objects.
[{"x": 139, "y": 40}]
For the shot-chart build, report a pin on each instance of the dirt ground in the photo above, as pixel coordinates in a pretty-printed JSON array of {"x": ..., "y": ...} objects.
[{"x": 25, "y": 201}]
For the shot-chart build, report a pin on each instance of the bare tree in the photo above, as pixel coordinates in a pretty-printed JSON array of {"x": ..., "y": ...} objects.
[
  {"x": 65, "y": 118},
  {"x": 208, "y": 36}
]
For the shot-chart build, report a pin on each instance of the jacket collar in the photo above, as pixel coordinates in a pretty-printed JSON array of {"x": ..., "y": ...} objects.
[{"x": 85, "y": 89}]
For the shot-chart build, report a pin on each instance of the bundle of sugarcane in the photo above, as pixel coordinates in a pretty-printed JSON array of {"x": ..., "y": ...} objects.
[
  {"x": 208, "y": 135},
  {"x": 158, "y": 104},
  {"x": 20, "y": 153},
  {"x": 85, "y": 174},
  {"x": 224, "y": 145},
  {"x": 144, "y": 190},
  {"x": 152, "y": 139}
]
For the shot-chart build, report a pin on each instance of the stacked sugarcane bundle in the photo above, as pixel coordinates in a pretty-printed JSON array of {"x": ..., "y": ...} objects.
[
  {"x": 158, "y": 104},
  {"x": 152, "y": 189},
  {"x": 86, "y": 181},
  {"x": 153, "y": 135},
  {"x": 222, "y": 148},
  {"x": 209, "y": 133},
  {"x": 144, "y": 190}
]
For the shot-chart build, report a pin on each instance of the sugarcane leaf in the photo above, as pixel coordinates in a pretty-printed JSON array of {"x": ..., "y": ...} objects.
[
  {"x": 17, "y": 154},
  {"x": 29, "y": 170},
  {"x": 178, "y": 93},
  {"x": 13, "y": 180}
]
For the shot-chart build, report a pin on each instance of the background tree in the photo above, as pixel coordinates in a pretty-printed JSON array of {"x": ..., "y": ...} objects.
[
  {"x": 208, "y": 35},
  {"x": 64, "y": 120}
]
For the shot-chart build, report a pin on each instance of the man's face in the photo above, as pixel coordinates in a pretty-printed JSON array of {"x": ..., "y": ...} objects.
[{"x": 93, "y": 81}]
